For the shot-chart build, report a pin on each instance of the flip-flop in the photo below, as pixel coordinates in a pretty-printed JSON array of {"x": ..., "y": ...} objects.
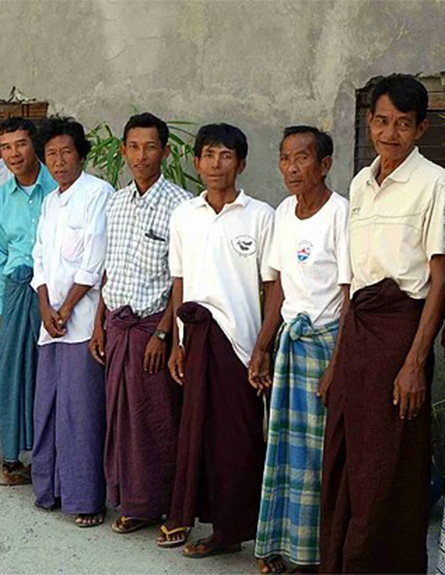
[
  {"x": 94, "y": 524},
  {"x": 212, "y": 552},
  {"x": 125, "y": 524},
  {"x": 167, "y": 544}
]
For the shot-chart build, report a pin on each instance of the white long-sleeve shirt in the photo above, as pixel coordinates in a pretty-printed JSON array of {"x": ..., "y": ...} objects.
[
  {"x": 70, "y": 248},
  {"x": 5, "y": 174}
]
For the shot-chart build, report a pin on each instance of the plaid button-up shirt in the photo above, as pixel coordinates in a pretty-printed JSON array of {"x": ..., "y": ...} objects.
[{"x": 138, "y": 234}]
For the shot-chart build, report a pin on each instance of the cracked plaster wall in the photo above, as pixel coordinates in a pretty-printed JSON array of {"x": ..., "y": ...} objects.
[{"x": 261, "y": 64}]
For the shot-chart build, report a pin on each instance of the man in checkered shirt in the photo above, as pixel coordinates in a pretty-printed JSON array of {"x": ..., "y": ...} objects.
[{"x": 143, "y": 402}]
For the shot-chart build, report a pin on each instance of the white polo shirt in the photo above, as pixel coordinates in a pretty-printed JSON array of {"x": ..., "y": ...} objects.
[
  {"x": 312, "y": 256},
  {"x": 70, "y": 248},
  {"x": 398, "y": 226},
  {"x": 222, "y": 259}
]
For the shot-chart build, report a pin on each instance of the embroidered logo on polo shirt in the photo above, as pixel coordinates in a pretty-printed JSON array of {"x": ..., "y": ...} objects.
[
  {"x": 304, "y": 250},
  {"x": 244, "y": 245}
]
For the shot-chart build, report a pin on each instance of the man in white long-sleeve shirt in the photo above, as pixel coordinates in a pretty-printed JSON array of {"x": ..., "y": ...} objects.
[{"x": 69, "y": 411}]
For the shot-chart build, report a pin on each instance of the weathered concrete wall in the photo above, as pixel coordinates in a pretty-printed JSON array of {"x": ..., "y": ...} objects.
[{"x": 261, "y": 64}]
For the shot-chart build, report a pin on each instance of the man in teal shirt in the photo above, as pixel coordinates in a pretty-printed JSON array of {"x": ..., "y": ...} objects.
[{"x": 21, "y": 199}]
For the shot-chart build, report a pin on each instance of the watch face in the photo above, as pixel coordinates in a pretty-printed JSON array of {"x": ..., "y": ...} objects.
[{"x": 162, "y": 335}]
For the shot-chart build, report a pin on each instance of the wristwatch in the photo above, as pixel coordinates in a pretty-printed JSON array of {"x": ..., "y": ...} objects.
[{"x": 160, "y": 334}]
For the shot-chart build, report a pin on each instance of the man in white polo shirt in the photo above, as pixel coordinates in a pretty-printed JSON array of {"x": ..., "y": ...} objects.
[
  {"x": 375, "y": 495},
  {"x": 219, "y": 249}
]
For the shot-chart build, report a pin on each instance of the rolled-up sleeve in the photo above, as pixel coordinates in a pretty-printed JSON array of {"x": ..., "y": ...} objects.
[
  {"x": 175, "y": 247},
  {"x": 95, "y": 239}
]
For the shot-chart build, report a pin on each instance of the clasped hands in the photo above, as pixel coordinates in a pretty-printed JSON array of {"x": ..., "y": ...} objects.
[{"x": 55, "y": 321}]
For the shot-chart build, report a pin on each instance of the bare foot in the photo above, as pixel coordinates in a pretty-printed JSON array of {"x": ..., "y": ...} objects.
[
  {"x": 272, "y": 564},
  {"x": 207, "y": 547}
]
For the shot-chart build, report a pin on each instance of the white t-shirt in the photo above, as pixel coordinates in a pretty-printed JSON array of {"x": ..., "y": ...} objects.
[
  {"x": 28, "y": 189},
  {"x": 223, "y": 258},
  {"x": 312, "y": 256}
]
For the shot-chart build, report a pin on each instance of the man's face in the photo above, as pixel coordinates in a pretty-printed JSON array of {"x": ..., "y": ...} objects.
[
  {"x": 18, "y": 152},
  {"x": 144, "y": 153},
  {"x": 299, "y": 164},
  {"x": 393, "y": 132},
  {"x": 218, "y": 167},
  {"x": 63, "y": 161}
]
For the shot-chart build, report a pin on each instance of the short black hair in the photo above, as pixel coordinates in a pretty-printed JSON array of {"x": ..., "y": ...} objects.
[
  {"x": 324, "y": 146},
  {"x": 18, "y": 123},
  {"x": 405, "y": 92},
  {"x": 65, "y": 126},
  {"x": 221, "y": 134},
  {"x": 147, "y": 120}
]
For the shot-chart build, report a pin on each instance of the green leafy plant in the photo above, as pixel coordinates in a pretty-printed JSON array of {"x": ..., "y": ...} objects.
[{"x": 106, "y": 158}]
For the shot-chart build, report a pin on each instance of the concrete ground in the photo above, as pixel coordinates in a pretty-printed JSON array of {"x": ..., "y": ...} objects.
[{"x": 36, "y": 541}]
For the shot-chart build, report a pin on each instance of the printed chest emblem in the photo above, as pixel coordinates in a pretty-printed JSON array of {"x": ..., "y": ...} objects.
[
  {"x": 244, "y": 245},
  {"x": 304, "y": 250}
]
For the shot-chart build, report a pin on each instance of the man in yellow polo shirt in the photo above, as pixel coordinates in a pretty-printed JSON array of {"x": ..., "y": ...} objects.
[{"x": 376, "y": 471}]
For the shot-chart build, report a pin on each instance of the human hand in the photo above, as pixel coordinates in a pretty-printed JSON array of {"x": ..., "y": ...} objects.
[
  {"x": 154, "y": 355},
  {"x": 52, "y": 322},
  {"x": 97, "y": 344},
  {"x": 259, "y": 370},
  {"x": 64, "y": 315},
  {"x": 176, "y": 364},
  {"x": 325, "y": 383},
  {"x": 410, "y": 390}
]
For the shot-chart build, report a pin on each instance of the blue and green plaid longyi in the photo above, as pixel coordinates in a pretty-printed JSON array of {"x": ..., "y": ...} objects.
[{"x": 290, "y": 503}]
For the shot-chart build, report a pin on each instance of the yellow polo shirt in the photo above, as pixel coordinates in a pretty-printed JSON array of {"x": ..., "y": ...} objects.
[{"x": 398, "y": 226}]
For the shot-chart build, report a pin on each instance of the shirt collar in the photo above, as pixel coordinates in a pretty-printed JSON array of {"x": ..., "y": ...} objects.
[
  {"x": 400, "y": 174},
  {"x": 152, "y": 195},
  {"x": 68, "y": 194},
  {"x": 241, "y": 200},
  {"x": 39, "y": 182}
]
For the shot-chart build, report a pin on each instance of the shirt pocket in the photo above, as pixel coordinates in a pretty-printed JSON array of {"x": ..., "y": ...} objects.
[
  {"x": 154, "y": 252},
  {"x": 72, "y": 244}
]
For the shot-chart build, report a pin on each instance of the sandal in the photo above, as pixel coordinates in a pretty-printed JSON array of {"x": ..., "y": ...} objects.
[
  {"x": 125, "y": 524},
  {"x": 212, "y": 551},
  {"x": 168, "y": 543},
  {"x": 17, "y": 475},
  {"x": 98, "y": 519}
]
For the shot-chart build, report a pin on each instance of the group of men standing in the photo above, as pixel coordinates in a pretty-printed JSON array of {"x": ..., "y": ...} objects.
[{"x": 142, "y": 329}]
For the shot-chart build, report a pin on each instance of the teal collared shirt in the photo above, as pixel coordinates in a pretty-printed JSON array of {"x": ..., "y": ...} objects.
[{"x": 19, "y": 216}]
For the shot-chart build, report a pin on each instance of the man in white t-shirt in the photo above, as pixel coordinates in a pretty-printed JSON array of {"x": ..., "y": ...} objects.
[
  {"x": 219, "y": 253},
  {"x": 310, "y": 253}
]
